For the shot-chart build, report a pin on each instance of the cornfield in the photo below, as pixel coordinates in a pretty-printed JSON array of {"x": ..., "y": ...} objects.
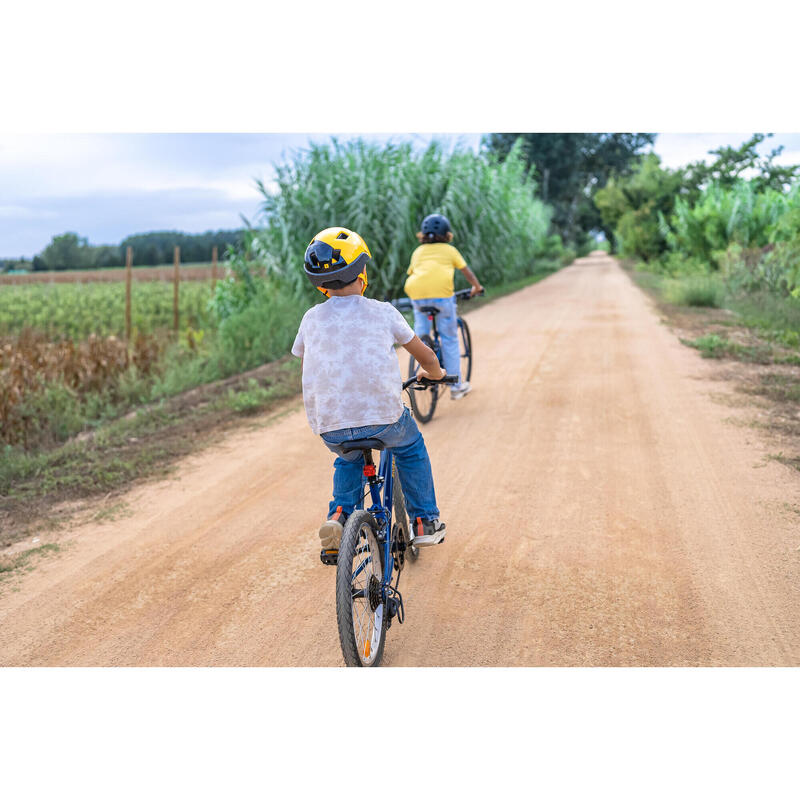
[
  {"x": 31, "y": 364},
  {"x": 383, "y": 192},
  {"x": 78, "y": 310}
]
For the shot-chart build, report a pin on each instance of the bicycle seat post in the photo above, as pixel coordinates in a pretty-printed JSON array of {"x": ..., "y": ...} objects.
[{"x": 370, "y": 471}]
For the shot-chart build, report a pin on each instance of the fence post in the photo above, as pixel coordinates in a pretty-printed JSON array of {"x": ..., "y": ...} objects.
[
  {"x": 213, "y": 267},
  {"x": 128, "y": 276},
  {"x": 176, "y": 279}
]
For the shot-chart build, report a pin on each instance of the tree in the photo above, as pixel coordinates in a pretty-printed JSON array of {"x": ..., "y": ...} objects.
[
  {"x": 633, "y": 205},
  {"x": 732, "y": 163},
  {"x": 571, "y": 167},
  {"x": 67, "y": 251}
]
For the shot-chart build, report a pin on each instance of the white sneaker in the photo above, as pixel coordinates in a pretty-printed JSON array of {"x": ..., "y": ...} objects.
[
  {"x": 428, "y": 532},
  {"x": 330, "y": 533},
  {"x": 457, "y": 392}
]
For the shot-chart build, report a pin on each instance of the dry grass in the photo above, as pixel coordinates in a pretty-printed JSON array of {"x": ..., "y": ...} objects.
[
  {"x": 29, "y": 364},
  {"x": 188, "y": 272}
]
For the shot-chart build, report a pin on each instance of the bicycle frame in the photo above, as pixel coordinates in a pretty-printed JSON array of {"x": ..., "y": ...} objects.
[{"x": 381, "y": 509}]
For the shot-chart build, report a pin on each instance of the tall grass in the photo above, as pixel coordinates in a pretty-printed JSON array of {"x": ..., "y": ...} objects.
[
  {"x": 695, "y": 290},
  {"x": 384, "y": 191}
]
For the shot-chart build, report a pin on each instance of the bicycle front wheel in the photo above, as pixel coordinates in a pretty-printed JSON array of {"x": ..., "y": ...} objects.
[
  {"x": 360, "y": 610},
  {"x": 423, "y": 401},
  {"x": 466, "y": 349}
]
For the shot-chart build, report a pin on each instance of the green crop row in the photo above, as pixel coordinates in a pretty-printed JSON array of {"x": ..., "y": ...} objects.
[{"x": 77, "y": 310}]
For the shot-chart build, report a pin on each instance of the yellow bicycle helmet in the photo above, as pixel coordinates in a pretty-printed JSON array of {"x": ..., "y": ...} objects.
[{"x": 335, "y": 257}]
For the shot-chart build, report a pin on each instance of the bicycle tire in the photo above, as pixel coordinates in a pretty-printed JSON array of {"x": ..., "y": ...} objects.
[
  {"x": 466, "y": 356},
  {"x": 362, "y": 630},
  {"x": 401, "y": 515},
  {"x": 423, "y": 401}
]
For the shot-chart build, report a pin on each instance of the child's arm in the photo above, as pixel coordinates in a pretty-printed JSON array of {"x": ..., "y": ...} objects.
[
  {"x": 475, "y": 283},
  {"x": 426, "y": 358}
]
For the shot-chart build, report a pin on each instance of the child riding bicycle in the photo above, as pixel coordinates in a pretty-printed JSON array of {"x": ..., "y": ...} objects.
[
  {"x": 430, "y": 283},
  {"x": 352, "y": 388}
]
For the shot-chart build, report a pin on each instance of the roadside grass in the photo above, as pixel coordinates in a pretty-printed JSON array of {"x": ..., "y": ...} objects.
[
  {"x": 757, "y": 333},
  {"x": 22, "y": 561},
  {"x": 713, "y": 345},
  {"x": 756, "y": 328},
  {"x": 695, "y": 290},
  {"x": 144, "y": 444},
  {"x": 789, "y": 461}
]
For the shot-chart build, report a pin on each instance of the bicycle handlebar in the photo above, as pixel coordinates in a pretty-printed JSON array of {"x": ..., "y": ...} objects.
[
  {"x": 403, "y": 303},
  {"x": 425, "y": 382},
  {"x": 466, "y": 294}
]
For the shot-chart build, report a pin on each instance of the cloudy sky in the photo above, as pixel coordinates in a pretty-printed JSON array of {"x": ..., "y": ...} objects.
[{"x": 106, "y": 186}]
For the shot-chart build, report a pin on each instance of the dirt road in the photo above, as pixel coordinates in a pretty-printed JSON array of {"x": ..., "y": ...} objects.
[{"x": 602, "y": 509}]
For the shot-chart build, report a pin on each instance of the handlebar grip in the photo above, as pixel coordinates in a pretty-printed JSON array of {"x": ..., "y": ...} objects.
[{"x": 428, "y": 382}]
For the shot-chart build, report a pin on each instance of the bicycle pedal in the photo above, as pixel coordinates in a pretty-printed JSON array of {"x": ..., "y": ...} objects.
[{"x": 329, "y": 557}]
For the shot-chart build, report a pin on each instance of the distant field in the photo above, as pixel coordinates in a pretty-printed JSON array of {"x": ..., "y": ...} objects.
[
  {"x": 189, "y": 272},
  {"x": 77, "y": 309}
]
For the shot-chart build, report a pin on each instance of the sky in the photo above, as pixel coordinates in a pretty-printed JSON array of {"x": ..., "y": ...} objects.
[{"x": 107, "y": 186}]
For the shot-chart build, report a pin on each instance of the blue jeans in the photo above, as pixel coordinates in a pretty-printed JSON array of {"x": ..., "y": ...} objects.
[
  {"x": 408, "y": 448},
  {"x": 447, "y": 325}
]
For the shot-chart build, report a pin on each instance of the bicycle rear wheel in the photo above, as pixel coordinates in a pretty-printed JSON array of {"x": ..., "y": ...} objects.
[
  {"x": 423, "y": 401},
  {"x": 400, "y": 515},
  {"x": 360, "y": 610},
  {"x": 465, "y": 349}
]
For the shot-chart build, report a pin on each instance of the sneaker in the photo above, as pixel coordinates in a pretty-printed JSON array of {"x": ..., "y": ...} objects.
[
  {"x": 460, "y": 391},
  {"x": 330, "y": 534},
  {"x": 428, "y": 532}
]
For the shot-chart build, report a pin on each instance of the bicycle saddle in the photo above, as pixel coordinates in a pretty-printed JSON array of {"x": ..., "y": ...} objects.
[
  {"x": 429, "y": 309},
  {"x": 362, "y": 444}
]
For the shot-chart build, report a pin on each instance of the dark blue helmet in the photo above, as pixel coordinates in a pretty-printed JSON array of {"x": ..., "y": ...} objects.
[{"x": 437, "y": 224}]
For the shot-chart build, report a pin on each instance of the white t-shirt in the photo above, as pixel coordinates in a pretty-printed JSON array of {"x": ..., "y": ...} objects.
[{"x": 351, "y": 376}]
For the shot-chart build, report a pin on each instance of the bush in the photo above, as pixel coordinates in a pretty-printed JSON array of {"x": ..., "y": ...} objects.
[
  {"x": 741, "y": 215},
  {"x": 695, "y": 290}
]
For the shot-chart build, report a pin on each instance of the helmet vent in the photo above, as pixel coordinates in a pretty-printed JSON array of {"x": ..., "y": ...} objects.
[{"x": 342, "y": 235}]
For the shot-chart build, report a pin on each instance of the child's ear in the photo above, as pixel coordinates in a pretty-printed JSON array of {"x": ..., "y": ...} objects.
[{"x": 449, "y": 236}]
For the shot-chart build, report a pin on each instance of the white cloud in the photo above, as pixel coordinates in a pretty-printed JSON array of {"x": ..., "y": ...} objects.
[{"x": 24, "y": 212}]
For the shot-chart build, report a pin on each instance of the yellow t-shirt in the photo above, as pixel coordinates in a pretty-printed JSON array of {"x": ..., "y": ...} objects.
[{"x": 431, "y": 271}]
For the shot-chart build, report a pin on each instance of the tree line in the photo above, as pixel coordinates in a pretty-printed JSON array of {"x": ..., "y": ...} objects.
[{"x": 71, "y": 251}]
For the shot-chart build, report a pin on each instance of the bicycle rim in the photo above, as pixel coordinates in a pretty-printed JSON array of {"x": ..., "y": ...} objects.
[
  {"x": 360, "y": 610},
  {"x": 423, "y": 401},
  {"x": 466, "y": 350},
  {"x": 401, "y": 522}
]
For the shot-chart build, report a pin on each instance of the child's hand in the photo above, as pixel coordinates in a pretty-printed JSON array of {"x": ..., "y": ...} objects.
[
  {"x": 476, "y": 290},
  {"x": 431, "y": 374}
]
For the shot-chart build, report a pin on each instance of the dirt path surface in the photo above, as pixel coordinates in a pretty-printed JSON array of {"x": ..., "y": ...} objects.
[{"x": 602, "y": 509}]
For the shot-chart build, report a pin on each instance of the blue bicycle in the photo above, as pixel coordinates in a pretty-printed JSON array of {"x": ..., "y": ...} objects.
[
  {"x": 373, "y": 550},
  {"x": 423, "y": 403}
]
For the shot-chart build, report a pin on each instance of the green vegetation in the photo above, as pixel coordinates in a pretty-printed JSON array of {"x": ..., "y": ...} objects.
[
  {"x": 695, "y": 290},
  {"x": 76, "y": 310},
  {"x": 383, "y": 192},
  {"x": 71, "y": 251},
  {"x": 571, "y": 168},
  {"x": 683, "y": 220},
  {"x": 67, "y": 379},
  {"x": 142, "y": 444},
  {"x": 21, "y": 561},
  {"x": 718, "y": 235}
]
